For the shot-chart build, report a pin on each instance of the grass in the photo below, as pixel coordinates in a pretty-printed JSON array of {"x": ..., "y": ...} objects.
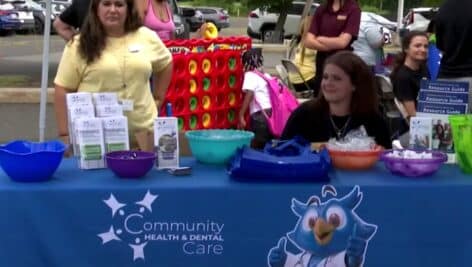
[
  {"x": 15, "y": 81},
  {"x": 234, "y": 9}
]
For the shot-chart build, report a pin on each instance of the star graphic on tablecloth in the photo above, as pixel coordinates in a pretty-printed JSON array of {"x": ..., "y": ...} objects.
[
  {"x": 113, "y": 204},
  {"x": 138, "y": 251},
  {"x": 147, "y": 200},
  {"x": 109, "y": 236}
]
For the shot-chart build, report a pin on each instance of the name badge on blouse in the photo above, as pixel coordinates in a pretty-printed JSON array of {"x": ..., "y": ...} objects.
[
  {"x": 134, "y": 48},
  {"x": 341, "y": 17},
  {"x": 127, "y": 104}
]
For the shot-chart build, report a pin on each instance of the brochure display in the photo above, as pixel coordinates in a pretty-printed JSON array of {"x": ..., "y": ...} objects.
[{"x": 436, "y": 101}]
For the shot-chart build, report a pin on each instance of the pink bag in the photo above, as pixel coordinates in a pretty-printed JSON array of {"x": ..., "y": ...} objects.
[{"x": 283, "y": 104}]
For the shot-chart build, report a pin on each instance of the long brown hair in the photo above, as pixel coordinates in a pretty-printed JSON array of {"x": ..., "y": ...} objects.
[
  {"x": 364, "y": 98},
  {"x": 304, "y": 27},
  {"x": 400, "y": 57},
  {"x": 93, "y": 35}
]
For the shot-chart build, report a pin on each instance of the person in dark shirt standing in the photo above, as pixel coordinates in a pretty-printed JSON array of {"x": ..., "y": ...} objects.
[
  {"x": 335, "y": 27},
  {"x": 454, "y": 39},
  {"x": 71, "y": 19},
  {"x": 348, "y": 100},
  {"x": 410, "y": 67}
]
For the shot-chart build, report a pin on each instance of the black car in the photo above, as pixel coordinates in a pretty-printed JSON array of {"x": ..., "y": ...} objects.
[
  {"x": 182, "y": 29},
  {"x": 194, "y": 22}
]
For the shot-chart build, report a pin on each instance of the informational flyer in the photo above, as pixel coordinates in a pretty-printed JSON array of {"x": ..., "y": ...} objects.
[{"x": 437, "y": 100}]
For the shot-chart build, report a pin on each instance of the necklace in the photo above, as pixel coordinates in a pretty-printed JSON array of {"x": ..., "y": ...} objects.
[
  {"x": 123, "y": 73},
  {"x": 339, "y": 131},
  {"x": 122, "y": 66}
]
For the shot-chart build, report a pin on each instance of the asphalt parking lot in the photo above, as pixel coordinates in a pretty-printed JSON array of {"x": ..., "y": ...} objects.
[{"x": 21, "y": 55}]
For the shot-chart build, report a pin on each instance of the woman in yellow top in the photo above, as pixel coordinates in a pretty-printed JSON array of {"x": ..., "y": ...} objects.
[
  {"x": 114, "y": 53},
  {"x": 305, "y": 61}
]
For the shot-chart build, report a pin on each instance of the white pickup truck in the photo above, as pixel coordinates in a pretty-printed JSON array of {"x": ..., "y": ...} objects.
[{"x": 261, "y": 23}]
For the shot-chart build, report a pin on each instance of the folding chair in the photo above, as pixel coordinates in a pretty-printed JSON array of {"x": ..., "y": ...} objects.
[
  {"x": 390, "y": 109},
  {"x": 292, "y": 68},
  {"x": 282, "y": 74},
  {"x": 401, "y": 108}
]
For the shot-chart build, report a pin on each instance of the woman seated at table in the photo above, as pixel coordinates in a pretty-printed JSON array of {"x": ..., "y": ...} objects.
[
  {"x": 410, "y": 67},
  {"x": 347, "y": 100},
  {"x": 113, "y": 53}
]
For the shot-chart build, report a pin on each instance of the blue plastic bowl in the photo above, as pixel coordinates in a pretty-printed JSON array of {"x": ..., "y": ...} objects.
[
  {"x": 130, "y": 163},
  {"x": 25, "y": 161},
  {"x": 216, "y": 146}
]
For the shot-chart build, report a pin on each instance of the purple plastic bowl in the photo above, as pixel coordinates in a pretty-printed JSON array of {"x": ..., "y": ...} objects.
[
  {"x": 130, "y": 163},
  {"x": 413, "y": 167}
]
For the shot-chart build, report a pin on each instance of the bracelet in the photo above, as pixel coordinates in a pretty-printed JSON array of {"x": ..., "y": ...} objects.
[{"x": 63, "y": 135}]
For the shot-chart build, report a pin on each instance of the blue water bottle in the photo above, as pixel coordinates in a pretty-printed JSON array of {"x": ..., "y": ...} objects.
[{"x": 169, "y": 109}]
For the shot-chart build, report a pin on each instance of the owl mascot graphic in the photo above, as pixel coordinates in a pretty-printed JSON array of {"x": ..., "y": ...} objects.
[{"x": 328, "y": 234}]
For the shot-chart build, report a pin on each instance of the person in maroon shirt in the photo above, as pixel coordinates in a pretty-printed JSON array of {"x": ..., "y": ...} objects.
[{"x": 334, "y": 28}]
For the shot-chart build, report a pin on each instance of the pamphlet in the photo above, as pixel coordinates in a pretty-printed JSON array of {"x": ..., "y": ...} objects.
[
  {"x": 74, "y": 100},
  {"x": 115, "y": 132},
  {"x": 166, "y": 142},
  {"x": 109, "y": 98},
  {"x": 420, "y": 132},
  {"x": 114, "y": 110},
  {"x": 90, "y": 139},
  {"x": 436, "y": 101},
  {"x": 76, "y": 112}
]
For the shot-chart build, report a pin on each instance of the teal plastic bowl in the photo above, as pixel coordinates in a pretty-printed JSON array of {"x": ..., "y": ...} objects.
[{"x": 216, "y": 146}]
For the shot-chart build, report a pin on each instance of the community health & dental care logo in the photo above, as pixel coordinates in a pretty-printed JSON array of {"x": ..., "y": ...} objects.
[{"x": 133, "y": 225}]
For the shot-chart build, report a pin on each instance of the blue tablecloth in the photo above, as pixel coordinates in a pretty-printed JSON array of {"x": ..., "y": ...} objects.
[{"x": 91, "y": 218}]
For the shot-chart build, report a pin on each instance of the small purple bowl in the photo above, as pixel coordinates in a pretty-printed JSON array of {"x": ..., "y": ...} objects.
[
  {"x": 130, "y": 163},
  {"x": 413, "y": 167}
]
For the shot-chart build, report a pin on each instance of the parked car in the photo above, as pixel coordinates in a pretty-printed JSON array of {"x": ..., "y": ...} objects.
[
  {"x": 417, "y": 19},
  {"x": 25, "y": 15},
  {"x": 39, "y": 12},
  {"x": 57, "y": 6},
  {"x": 385, "y": 25},
  {"x": 9, "y": 20},
  {"x": 216, "y": 15},
  {"x": 261, "y": 22},
  {"x": 195, "y": 21},
  {"x": 182, "y": 28}
]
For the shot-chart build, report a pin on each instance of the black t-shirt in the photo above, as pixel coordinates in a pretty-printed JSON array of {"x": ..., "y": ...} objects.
[
  {"x": 75, "y": 14},
  {"x": 314, "y": 124},
  {"x": 406, "y": 83},
  {"x": 453, "y": 24}
]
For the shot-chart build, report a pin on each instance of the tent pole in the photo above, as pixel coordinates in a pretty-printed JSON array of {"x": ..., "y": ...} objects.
[
  {"x": 400, "y": 14},
  {"x": 45, "y": 71}
]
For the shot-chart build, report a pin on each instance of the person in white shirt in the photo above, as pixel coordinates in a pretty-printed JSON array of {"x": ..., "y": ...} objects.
[
  {"x": 256, "y": 99},
  {"x": 369, "y": 43}
]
